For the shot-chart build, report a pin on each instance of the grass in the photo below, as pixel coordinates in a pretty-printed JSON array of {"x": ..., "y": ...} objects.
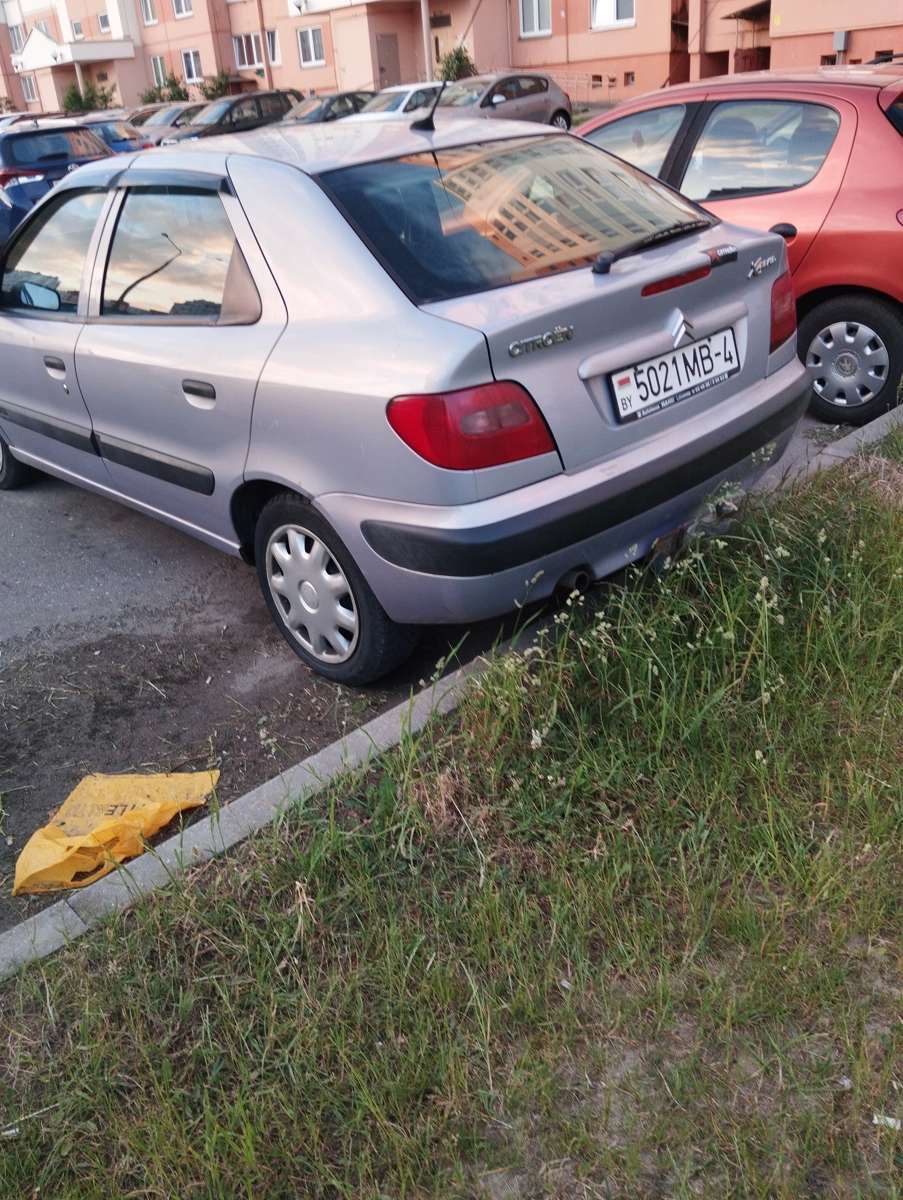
[{"x": 627, "y": 925}]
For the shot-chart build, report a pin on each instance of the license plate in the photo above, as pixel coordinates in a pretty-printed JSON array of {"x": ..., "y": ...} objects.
[{"x": 658, "y": 383}]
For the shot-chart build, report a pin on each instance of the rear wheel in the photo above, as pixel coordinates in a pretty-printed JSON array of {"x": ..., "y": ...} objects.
[
  {"x": 853, "y": 347},
  {"x": 561, "y": 119},
  {"x": 13, "y": 474},
  {"x": 320, "y": 601}
]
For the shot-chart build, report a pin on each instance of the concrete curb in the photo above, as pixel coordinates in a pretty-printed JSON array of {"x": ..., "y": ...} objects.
[{"x": 67, "y": 919}]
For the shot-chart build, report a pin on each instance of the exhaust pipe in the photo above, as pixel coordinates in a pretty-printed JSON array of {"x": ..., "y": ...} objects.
[{"x": 578, "y": 579}]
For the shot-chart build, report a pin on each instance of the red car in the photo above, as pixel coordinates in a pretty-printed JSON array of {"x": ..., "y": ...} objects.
[{"x": 818, "y": 157}]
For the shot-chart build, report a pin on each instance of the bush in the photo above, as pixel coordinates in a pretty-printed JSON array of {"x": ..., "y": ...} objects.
[
  {"x": 216, "y": 86},
  {"x": 172, "y": 89},
  {"x": 92, "y": 99},
  {"x": 457, "y": 64}
]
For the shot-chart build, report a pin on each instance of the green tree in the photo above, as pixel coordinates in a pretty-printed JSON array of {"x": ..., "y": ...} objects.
[{"x": 457, "y": 64}]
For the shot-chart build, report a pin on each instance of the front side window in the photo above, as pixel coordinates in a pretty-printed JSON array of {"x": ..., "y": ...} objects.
[
  {"x": 310, "y": 45},
  {"x": 535, "y": 17},
  {"x": 244, "y": 110},
  {"x": 44, "y": 267},
  {"x": 469, "y": 218},
  {"x": 247, "y": 50},
  {"x": 16, "y": 38},
  {"x": 753, "y": 146},
  {"x": 532, "y": 85},
  {"x": 273, "y": 105},
  {"x": 191, "y": 65},
  {"x": 158, "y": 70},
  {"x": 148, "y": 12},
  {"x": 385, "y": 102},
  {"x": 643, "y": 138},
  {"x": 170, "y": 256},
  {"x": 464, "y": 93},
  {"x": 420, "y": 99},
  {"x": 182, "y": 8},
  {"x": 29, "y": 88},
  {"x": 606, "y": 13}
]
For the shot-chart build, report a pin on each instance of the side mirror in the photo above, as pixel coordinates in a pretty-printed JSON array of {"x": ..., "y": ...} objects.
[
  {"x": 35, "y": 295},
  {"x": 498, "y": 98}
]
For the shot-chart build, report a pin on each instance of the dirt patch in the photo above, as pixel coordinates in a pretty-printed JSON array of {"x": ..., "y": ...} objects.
[
  {"x": 230, "y": 698},
  {"x": 884, "y": 476}
]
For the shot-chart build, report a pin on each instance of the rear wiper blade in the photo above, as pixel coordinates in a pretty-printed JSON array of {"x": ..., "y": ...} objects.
[
  {"x": 737, "y": 191},
  {"x": 603, "y": 262},
  {"x": 52, "y": 157}
]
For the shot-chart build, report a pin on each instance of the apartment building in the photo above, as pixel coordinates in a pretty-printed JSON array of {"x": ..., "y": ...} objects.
[{"x": 599, "y": 50}]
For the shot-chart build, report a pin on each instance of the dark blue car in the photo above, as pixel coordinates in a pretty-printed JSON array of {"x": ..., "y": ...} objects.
[{"x": 33, "y": 158}]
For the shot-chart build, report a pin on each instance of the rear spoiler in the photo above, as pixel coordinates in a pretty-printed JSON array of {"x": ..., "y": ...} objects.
[{"x": 889, "y": 94}]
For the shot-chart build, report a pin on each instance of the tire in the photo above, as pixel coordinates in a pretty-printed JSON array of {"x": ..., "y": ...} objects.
[
  {"x": 853, "y": 347},
  {"x": 13, "y": 474},
  {"x": 561, "y": 119},
  {"x": 357, "y": 646}
]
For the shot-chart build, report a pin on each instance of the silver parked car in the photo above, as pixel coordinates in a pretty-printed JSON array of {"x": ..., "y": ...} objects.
[
  {"x": 414, "y": 377},
  {"x": 514, "y": 97}
]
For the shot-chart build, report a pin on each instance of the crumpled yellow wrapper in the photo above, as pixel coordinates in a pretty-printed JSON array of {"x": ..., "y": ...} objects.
[{"x": 102, "y": 822}]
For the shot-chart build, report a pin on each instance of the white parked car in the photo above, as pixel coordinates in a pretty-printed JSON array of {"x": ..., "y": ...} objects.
[{"x": 394, "y": 102}]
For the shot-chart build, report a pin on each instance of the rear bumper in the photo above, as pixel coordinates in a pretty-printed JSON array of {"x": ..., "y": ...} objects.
[{"x": 439, "y": 564}]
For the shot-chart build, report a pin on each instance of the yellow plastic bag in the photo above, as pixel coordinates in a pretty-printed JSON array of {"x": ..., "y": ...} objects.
[{"x": 101, "y": 823}]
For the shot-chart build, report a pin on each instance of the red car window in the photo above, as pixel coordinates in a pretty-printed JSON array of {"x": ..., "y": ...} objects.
[
  {"x": 753, "y": 146},
  {"x": 642, "y": 138}
]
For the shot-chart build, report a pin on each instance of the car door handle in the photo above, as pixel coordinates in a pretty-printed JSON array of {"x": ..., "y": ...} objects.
[
  {"x": 54, "y": 365},
  {"x": 785, "y": 230},
  {"x": 199, "y": 393}
]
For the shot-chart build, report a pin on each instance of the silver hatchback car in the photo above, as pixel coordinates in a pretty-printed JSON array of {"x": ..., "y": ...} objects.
[
  {"x": 513, "y": 96},
  {"x": 415, "y": 377}
]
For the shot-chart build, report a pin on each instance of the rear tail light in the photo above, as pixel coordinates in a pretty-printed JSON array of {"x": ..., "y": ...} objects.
[
  {"x": 783, "y": 311},
  {"x": 11, "y": 175},
  {"x": 477, "y": 427},
  {"x": 146, "y": 146},
  {"x": 675, "y": 281}
]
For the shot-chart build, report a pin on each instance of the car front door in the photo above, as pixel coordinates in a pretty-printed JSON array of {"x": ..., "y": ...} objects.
[
  {"x": 245, "y": 114},
  {"x": 43, "y": 301},
  {"x": 504, "y": 99},
  {"x": 533, "y": 102},
  {"x": 777, "y": 161},
  {"x": 183, "y": 313}
]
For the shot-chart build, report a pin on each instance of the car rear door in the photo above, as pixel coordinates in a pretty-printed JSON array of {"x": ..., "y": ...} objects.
[
  {"x": 761, "y": 162},
  {"x": 183, "y": 313},
  {"x": 43, "y": 301}
]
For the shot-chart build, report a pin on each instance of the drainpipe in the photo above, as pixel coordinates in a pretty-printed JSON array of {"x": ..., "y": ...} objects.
[
  {"x": 79, "y": 77},
  {"x": 264, "y": 48},
  {"x": 425, "y": 23}
]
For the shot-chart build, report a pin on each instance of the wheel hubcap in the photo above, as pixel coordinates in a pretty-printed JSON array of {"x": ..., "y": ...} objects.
[
  {"x": 312, "y": 594},
  {"x": 848, "y": 363}
]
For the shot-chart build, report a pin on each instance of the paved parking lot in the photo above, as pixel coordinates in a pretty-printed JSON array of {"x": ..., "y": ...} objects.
[{"x": 125, "y": 645}]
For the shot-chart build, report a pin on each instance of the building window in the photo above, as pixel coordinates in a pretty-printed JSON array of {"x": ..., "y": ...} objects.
[
  {"x": 158, "y": 70},
  {"x": 629, "y": 78},
  {"x": 148, "y": 12},
  {"x": 29, "y": 89},
  {"x": 535, "y": 18},
  {"x": 44, "y": 27},
  {"x": 310, "y": 45},
  {"x": 606, "y": 13},
  {"x": 273, "y": 47},
  {"x": 182, "y": 8},
  {"x": 77, "y": 31},
  {"x": 16, "y": 37},
  {"x": 247, "y": 50},
  {"x": 829, "y": 60},
  {"x": 103, "y": 23},
  {"x": 191, "y": 66}
]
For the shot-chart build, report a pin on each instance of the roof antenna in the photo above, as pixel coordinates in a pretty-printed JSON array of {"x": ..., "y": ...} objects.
[{"x": 427, "y": 124}]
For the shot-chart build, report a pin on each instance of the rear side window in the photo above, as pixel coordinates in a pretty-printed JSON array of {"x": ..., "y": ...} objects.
[
  {"x": 463, "y": 220},
  {"x": 643, "y": 138},
  {"x": 44, "y": 267},
  {"x": 895, "y": 114},
  {"x": 273, "y": 105},
  {"x": 174, "y": 257},
  {"x": 752, "y": 146},
  {"x": 51, "y": 146}
]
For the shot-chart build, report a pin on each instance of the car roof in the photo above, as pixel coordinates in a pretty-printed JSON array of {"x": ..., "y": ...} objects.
[
  {"x": 314, "y": 149},
  {"x": 410, "y": 87},
  {"x": 879, "y": 76}
]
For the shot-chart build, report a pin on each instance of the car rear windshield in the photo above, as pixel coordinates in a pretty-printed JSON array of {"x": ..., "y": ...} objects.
[
  {"x": 117, "y": 131},
  {"x": 453, "y": 222},
  {"x": 895, "y": 112},
  {"x": 52, "y": 145}
]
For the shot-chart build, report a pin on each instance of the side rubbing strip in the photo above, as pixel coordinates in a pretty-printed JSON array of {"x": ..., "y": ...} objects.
[
  {"x": 77, "y": 436},
  {"x": 160, "y": 466}
]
